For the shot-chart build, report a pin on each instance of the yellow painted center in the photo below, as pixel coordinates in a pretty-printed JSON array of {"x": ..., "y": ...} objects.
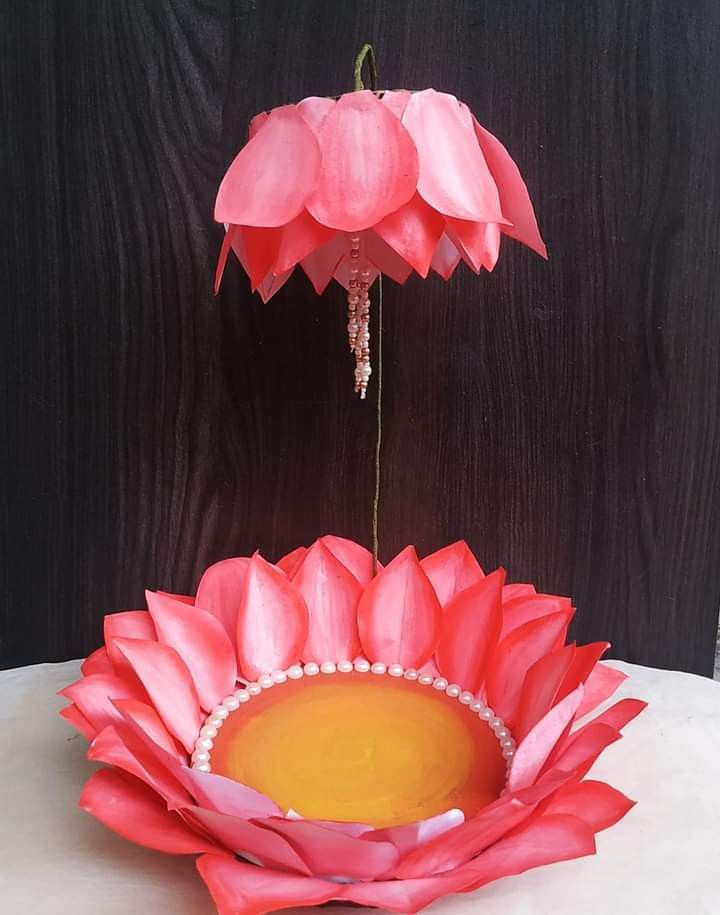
[{"x": 361, "y": 748}]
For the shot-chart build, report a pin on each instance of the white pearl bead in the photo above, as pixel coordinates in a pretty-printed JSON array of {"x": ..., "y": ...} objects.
[
  {"x": 508, "y": 754},
  {"x": 395, "y": 670},
  {"x": 502, "y": 733},
  {"x": 328, "y": 667},
  {"x": 425, "y": 679},
  {"x": 231, "y": 703},
  {"x": 204, "y": 744},
  {"x": 295, "y": 672},
  {"x": 220, "y": 712},
  {"x": 203, "y": 767},
  {"x": 440, "y": 683},
  {"x": 465, "y": 697},
  {"x": 266, "y": 681},
  {"x": 453, "y": 690},
  {"x": 200, "y": 756},
  {"x": 496, "y": 723},
  {"x": 311, "y": 669},
  {"x": 254, "y": 689},
  {"x": 411, "y": 674},
  {"x": 208, "y": 730},
  {"x": 345, "y": 667},
  {"x": 477, "y": 706},
  {"x": 242, "y": 695},
  {"x": 279, "y": 676},
  {"x": 379, "y": 668},
  {"x": 507, "y": 744},
  {"x": 487, "y": 714},
  {"x": 362, "y": 666}
]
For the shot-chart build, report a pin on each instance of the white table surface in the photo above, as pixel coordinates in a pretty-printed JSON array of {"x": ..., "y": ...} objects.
[{"x": 662, "y": 859}]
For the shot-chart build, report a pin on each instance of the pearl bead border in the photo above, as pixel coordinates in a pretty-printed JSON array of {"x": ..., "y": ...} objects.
[{"x": 200, "y": 759}]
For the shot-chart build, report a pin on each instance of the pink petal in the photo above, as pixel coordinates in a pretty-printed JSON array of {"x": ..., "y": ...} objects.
[
  {"x": 342, "y": 273},
  {"x": 260, "y": 248},
  {"x": 257, "y": 122},
  {"x": 73, "y": 715},
  {"x": 97, "y": 663},
  {"x": 215, "y": 792},
  {"x": 451, "y": 570},
  {"x": 314, "y": 110},
  {"x": 429, "y": 668},
  {"x": 271, "y": 284},
  {"x": 299, "y": 238},
  {"x": 244, "y": 889},
  {"x": 510, "y": 592},
  {"x": 333, "y": 853},
  {"x": 584, "y": 660},
  {"x": 446, "y": 258},
  {"x": 225, "y": 248},
  {"x": 413, "y": 231},
  {"x": 220, "y": 589},
  {"x": 270, "y": 178},
  {"x": 93, "y": 697},
  {"x": 453, "y": 175},
  {"x": 520, "y": 610},
  {"x": 272, "y": 620},
  {"x": 413, "y": 836},
  {"x": 396, "y": 100},
  {"x": 405, "y": 896},
  {"x": 133, "y": 810},
  {"x": 534, "y": 750},
  {"x": 541, "y": 689},
  {"x": 331, "y": 593},
  {"x": 130, "y": 624},
  {"x": 290, "y": 563},
  {"x": 516, "y": 654},
  {"x": 595, "y": 803},
  {"x": 478, "y": 242},
  {"x": 183, "y": 598},
  {"x": 242, "y": 837},
  {"x": 149, "y": 722},
  {"x": 583, "y": 748},
  {"x": 620, "y": 714},
  {"x": 601, "y": 684},
  {"x": 353, "y": 556},
  {"x": 470, "y": 630},
  {"x": 369, "y": 164},
  {"x": 169, "y": 685},
  {"x": 514, "y": 197},
  {"x": 399, "y": 616},
  {"x": 384, "y": 258},
  {"x": 200, "y": 640},
  {"x": 109, "y": 748},
  {"x": 320, "y": 265}
]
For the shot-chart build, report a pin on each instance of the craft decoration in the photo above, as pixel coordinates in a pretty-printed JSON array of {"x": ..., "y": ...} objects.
[
  {"x": 316, "y": 732},
  {"x": 369, "y": 183}
]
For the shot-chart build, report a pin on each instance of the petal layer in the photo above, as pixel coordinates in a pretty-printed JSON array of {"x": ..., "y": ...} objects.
[
  {"x": 452, "y": 569},
  {"x": 220, "y": 589}
]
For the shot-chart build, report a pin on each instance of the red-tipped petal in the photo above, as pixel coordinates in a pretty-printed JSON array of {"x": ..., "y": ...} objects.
[
  {"x": 470, "y": 630},
  {"x": 225, "y": 248},
  {"x": 620, "y": 714},
  {"x": 520, "y": 610},
  {"x": 130, "y": 624},
  {"x": 200, "y": 640},
  {"x": 534, "y": 750},
  {"x": 272, "y": 620},
  {"x": 260, "y": 247},
  {"x": 478, "y": 242},
  {"x": 369, "y": 164},
  {"x": 270, "y": 178},
  {"x": 291, "y": 561},
  {"x": 299, "y": 238},
  {"x": 516, "y": 654},
  {"x": 453, "y": 175},
  {"x": 584, "y": 660},
  {"x": 73, "y": 715},
  {"x": 327, "y": 851},
  {"x": 243, "y": 837},
  {"x": 215, "y": 792},
  {"x": 271, "y": 284},
  {"x": 314, "y": 110},
  {"x": 601, "y": 684},
  {"x": 149, "y": 722},
  {"x": 97, "y": 663},
  {"x": 399, "y": 616},
  {"x": 168, "y": 683},
  {"x": 320, "y": 265},
  {"x": 412, "y": 836},
  {"x": 583, "y": 748},
  {"x": 353, "y": 556},
  {"x": 595, "y": 803},
  {"x": 413, "y": 232},
  {"x": 384, "y": 258},
  {"x": 331, "y": 593},
  {"x": 135, "y": 811},
  {"x": 109, "y": 748},
  {"x": 446, "y": 258},
  {"x": 541, "y": 689},
  {"x": 93, "y": 697},
  {"x": 452, "y": 569},
  {"x": 510, "y": 592},
  {"x": 514, "y": 197},
  {"x": 244, "y": 889},
  {"x": 220, "y": 589}
]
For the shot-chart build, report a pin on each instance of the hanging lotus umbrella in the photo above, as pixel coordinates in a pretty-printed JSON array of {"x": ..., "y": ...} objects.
[{"x": 370, "y": 183}]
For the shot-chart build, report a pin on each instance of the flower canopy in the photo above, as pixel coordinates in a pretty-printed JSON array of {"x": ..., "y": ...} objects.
[{"x": 175, "y": 698}]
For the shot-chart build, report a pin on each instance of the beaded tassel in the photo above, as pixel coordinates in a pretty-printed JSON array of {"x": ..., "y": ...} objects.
[{"x": 358, "y": 326}]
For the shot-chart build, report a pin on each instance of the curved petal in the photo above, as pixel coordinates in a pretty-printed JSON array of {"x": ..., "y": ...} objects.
[
  {"x": 520, "y": 610},
  {"x": 271, "y": 284},
  {"x": 396, "y": 100},
  {"x": 353, "y": 556},
  {"x": 98, "y": 662},
  {"x": 470, "y": 631},
  {"x": 272, "y": 623},
  {"x": 291, "y": 561},
  {"x": 541, "y": 689},
  {"x": 331, "y": 593},
  {"x": 200, "y": 640},
  {"x": 453, "y": 176},
  {"x": 220, "y": 589},
  {"x": 386, "y": 260},
  {"x": 130, "y": 624},
  {"x": 260, "y": 247},
  {"x": 149, "y": 722},
  {"x": 342, "y": 273},
  {"x": 299, "y": 238},
  {"x": 270, "y": 178},
  {"x": 515, "y": 656},
  {"x": 618, "y": 715},
  {"x": 314, "y": 110},
  {"x": 452, "y": 569},
  {"x": 601, "y": 684},
  {"x": 534, "y": 750},
  {"x": 445, "y": 258},
  {"x": 72, "y": 714},
  {"x": 585, "y": 658},
  {"x": 320, "y": 265},
  {"x": 225, "y": 795},
  {"x": 595, "y": 803},
  {"x": 369, "y": 164},
  {"x": 332, "y": 853},
  {"x": 413, "y": 232},
  {"x": 244, "y": 889},
  {"x": 578, "y": 755},
  {"x": 133, "y": 810},
  {"x": 109, "y": 748},
  {"x": 183, "y": 598},
  {"x": 93, "y": 697},
  {"x": 225, "y": 248},
  {"x": 412, "y": 836},
  {"x": 514, "y": 197},
  {"x": 510, "y": 592},
  {"x": 169, "y": 685},
  {"x": 266, "y": 847},
  {"x": 399, "y": 616},
  {"x": 478, "y": 242},
  {"x": 257, "y": 122}
]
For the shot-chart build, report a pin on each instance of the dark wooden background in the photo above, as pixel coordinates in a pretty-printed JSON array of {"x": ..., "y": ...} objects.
[{"x": 562, "y": 417}]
